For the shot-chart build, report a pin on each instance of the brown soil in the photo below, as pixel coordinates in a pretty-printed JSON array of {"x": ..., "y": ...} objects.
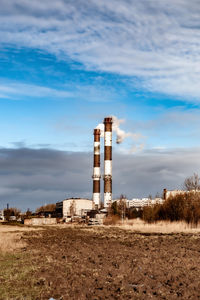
[{"x": 111, "y": 263}]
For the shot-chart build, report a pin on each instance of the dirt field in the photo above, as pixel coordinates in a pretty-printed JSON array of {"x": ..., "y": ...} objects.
[{"x": 102, "y": 263}]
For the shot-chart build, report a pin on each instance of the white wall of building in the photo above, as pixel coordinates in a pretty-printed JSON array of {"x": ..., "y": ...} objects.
[
  {"x": 79, "y": 206},
  {"x": 174, "y": 193}
]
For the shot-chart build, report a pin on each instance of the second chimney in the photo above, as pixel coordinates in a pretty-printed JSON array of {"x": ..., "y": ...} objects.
[{"x": 108, "y": 161}]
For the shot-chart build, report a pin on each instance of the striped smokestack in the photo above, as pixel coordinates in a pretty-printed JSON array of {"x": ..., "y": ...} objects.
[
  {"x": 107, "y": 162},
  {"x": 96, "y": 170}
]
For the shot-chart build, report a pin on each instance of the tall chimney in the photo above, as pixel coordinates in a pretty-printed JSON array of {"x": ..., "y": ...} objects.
[
  {"x": 96, "y": 170},
  {"x": 107, "y": 162}
]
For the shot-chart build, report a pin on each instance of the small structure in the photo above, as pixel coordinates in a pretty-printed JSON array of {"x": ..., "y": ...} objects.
[
  {"x": 40, "y": 221},
  {"x": 2, "y": 218},
  {"x": 96, "y": 217}
]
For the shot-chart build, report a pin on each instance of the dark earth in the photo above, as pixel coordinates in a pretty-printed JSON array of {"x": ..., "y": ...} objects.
[{"x": 112, "y": 263}]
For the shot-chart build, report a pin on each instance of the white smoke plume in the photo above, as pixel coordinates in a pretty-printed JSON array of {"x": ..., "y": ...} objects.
[
  {"x": 121, "y": 135},
  {"x": 101, "y": 127}
]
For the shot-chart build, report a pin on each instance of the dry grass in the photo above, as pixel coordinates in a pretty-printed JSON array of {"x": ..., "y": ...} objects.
[
  {"x": 8, "y": 228},
  {"x": 11, "y": 242},
  {"x": 139, "y": 225},
  {"x": 11, "y": 237},
  {"x": 158, "y": 227},
  {"x": 16, "y": 267}
]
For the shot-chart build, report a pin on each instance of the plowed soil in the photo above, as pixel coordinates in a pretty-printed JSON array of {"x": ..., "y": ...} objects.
[{"x": 111, "y": 263}]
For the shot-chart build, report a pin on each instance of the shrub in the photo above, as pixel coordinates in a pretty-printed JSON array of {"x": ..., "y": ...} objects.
[
  {"x": 111, "y": 220},
  {"x": 181, "y": 207}
]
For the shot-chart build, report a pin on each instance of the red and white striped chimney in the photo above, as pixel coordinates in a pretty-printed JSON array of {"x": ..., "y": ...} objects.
[
  {"x": 96, "y": 169},
  {"x": 107, "y": 161}
]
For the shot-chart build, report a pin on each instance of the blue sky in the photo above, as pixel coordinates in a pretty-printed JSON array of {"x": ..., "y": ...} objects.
[
  {"x": 65, "y": 65},
  {"x": 68, "y": 64},
  {"x": 50, "y": 102}
]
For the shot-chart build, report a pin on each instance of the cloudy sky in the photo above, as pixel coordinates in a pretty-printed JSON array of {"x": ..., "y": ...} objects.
[{"x": 65, "y": 65}]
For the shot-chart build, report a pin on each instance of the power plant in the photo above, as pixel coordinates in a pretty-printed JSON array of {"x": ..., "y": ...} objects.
[{"x": 107, "y": 134}]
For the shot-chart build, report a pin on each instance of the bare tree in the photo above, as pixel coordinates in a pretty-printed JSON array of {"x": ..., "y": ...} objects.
[
  {"x": 72, "y": 209},
  {"x": 122, "y": 206},
  {"x": 11, "y": 212},
  {"x": 48, "y": 207},
  {"x": 192, "y": 183}
]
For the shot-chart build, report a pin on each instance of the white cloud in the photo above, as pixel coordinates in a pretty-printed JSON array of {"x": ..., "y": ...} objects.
[
  {"x": 158, "y": 41},
  {"x": 19, "y": 90}
]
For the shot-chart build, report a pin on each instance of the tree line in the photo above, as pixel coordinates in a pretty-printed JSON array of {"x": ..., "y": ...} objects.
[{"x": 180, "y": 207}]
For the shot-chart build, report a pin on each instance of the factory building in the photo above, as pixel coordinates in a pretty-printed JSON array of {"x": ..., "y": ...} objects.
[{"x": 74, "y": 207}]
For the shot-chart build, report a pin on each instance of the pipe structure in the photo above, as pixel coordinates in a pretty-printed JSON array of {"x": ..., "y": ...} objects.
[
  {"x": 164, "y": 194},
  {"x": 96, "y": 169},
  {"x": 107, "y": 161}
]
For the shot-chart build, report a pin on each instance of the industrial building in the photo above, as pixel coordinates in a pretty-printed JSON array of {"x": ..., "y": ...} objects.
[
  {"x": 79, "y": 206},
  {"x": 74, "y": 207}
]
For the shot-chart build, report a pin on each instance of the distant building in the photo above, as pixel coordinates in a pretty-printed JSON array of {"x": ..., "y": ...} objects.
[
  {"x": 173, "y": 193},
  {"x": 139, "y": 203},
  {"x": 74, "y": 207},
  {"x": 2, "y": 218}
]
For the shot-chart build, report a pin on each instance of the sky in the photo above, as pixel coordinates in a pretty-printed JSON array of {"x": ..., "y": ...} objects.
[{"x": 65, "y": 65}]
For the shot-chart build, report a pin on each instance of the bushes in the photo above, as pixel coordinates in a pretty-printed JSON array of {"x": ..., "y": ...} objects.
[
  {"x": 133, "y": 213},
  {"x": 180, "y": 207},
  {"x": 11, "y": 212},
  {"x": 111, "y": 220}
]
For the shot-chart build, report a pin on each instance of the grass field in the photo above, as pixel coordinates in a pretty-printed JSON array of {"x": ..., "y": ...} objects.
[{"x": 71, "y": 262}]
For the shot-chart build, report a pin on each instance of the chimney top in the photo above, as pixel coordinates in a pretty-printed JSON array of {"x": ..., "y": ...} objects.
[
  {"x": 108, "y": 120},
  {"x": 97, "y": 131}
]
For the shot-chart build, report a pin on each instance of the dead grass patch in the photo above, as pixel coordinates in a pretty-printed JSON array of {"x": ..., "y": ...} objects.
[
  {"x": 11, "y": 237},
  {"x": 158, "y": 227},
  {"x": 7, "y": 228},
  {"x": 10, "y": 242}
]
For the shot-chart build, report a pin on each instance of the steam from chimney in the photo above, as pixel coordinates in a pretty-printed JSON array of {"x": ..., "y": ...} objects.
[
  {"x": 101, "y": 127},
  {"x": 121, "y": 135}
]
